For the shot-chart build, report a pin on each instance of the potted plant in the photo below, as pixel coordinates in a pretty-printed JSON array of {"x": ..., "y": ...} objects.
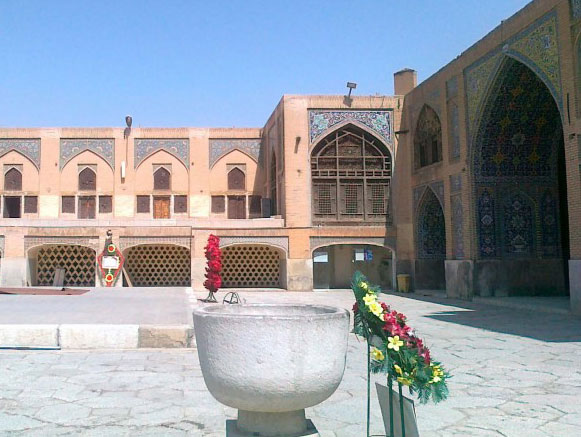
[
  {"x": 213, "y": 280},
  {"x": 395, "y": 350}
]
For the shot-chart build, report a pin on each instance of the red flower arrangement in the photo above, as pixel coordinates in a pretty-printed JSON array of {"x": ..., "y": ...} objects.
[{"x": 213, "y": 280}]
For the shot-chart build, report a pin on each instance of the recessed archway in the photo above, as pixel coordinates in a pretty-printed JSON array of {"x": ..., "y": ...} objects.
[
  {"x": 430, "y": 243},
  {"x": 78, "y": 263},
  {"x": 252, "y": 266},
  {"x": 427, "y": 138},
  {"x": 520, "y": 188},
  {"x": 158, "y": 265},
  {"x": 334, "y": 265}
]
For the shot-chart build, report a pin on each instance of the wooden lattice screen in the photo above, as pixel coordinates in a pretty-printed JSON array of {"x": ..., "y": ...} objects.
[
  {"x": 250, "y": 266},
  {"x": 77, "y": 261},
  {"x": 153, "y": 265}
]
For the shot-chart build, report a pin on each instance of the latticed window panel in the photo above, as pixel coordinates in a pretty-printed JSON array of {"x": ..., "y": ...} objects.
[
  {"x": 377, "y": 194},
  {"x": 13, "y": 180},
  {"x": 324, "y": 199},
  {"x": 162, "y": 179},
  {"x": 153, "y": 265},
  {"x": 77, "y": 261},
  {"x": 351, "y": 199},
  {"x": 250, "y": 266},
  {"x": 87, "y": 180}
]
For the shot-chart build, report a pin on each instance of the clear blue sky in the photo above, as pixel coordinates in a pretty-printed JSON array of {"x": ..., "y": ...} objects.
[{"x": 216, "y": 62}]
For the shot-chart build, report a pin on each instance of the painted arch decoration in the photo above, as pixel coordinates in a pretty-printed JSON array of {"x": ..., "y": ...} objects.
[
  {"x": 221, "y": 147},
  {"x": 536, "y": 47},
  {"x": 30, "y": 148},
  {"x": 104, "y": 148},
  {"x": 378, "y": 121},
  {"x": 430, "y": 227},
  {"x": 145, "y": 147},
  {"x": 515, "y": 162}
]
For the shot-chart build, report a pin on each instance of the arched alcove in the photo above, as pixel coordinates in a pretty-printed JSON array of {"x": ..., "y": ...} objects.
[
  {"x": 427, "y": 138},
  {"x": 520, "y": 187},
  {"x": 351, "y": 177}
]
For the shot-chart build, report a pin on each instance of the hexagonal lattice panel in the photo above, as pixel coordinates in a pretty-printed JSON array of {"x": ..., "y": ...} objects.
[
  {"x": 250, "y": 266},
  {"x": 78, "y": 262},
  {"x": 158, "y": 265}
]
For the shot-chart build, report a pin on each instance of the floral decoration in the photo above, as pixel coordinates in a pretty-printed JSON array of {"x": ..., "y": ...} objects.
[
  {"x": 396, "y": 349},
  {"x": 214, "y": 257}
]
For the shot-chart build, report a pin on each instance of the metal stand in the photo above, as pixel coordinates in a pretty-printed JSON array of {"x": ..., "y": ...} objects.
[
  {"x": 389, "y": 387},
  {"x": 210, "y": 298},
  {"x": 391, "y": 402},
  {"x": 368, "y": 387}
]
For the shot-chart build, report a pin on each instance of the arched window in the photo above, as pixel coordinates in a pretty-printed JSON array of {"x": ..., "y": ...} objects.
[
  {"x": 87, "y": 180},
  {"x": 162, "y": 179},
  {"x": 273, "y": 187},
  {"x": 428, "y": 138},
  {"x": 236, "y": 179},
  {"x": 13, "y": 180},
  {"x": 351, "y": 175}
]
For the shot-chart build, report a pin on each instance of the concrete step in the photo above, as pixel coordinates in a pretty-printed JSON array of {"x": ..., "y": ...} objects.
[{"x": 96, "y": 336}]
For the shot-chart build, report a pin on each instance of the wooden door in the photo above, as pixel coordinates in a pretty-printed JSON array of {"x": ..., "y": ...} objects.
[
  {"x": 236, "y": 207},
  {"x": 161, "y": 207},
  {"x": 87, "y": 207}
]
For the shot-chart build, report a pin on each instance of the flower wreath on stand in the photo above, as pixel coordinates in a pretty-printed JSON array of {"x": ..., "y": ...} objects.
[{"x": 394, "y": 348}]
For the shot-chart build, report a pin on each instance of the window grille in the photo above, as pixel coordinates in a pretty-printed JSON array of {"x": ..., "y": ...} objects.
[
  {"x": 218, "y": 204},
  {"x": 180, "y": 204},
  {"x": 350, "y": 171},
  {"x": 30, "y": 204},
  {"x": 142, "y": 204},
  {"x": 378, "y": 198},
  {"x": 161, "y": 179},
  {"x": 351, "y": 199},
  {"x": 68, "y": 204},
  {"x": 105, "y": 204},
  {"x": 236, "y": 179},
  {"x": 13, "y": 180},
  {"x": 87, "y": 180}
]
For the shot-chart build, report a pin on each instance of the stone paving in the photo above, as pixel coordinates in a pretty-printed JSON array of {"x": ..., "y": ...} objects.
[{"x": 515, "y": 374}]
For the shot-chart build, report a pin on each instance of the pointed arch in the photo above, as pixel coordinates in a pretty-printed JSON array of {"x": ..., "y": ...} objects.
[
  {"x": 273, "y": 183},
  {"x": 430, "y": 227},
  {"x": 516, "y": 158},
  {"x": 13, "y": 180},
  {"x": 161, "y": 178},
  {"x": 151, "y": 153},
  {"x": 346, "y": 124},
  {"x": 427, "y": 138},
  {"x": 28, "y": 158},
  {"x": 232, "y": 150},
  {"x": 236, "y": 179},
  {"x": 87, "y": 179},
  {"x": 351, "y": 174}
]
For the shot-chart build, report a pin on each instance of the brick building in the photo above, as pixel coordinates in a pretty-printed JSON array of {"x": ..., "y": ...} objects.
[
  {"x": 468, "y": 182},
  {"x": 163, "y": 191},
  {"x": 488, "y": 187}
]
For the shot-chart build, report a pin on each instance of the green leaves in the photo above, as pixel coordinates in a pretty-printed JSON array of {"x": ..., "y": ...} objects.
[{"x": 410, "y": 363}]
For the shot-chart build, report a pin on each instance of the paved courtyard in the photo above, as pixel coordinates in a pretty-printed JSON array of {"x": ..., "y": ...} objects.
[{"x": 515, "y": 374}]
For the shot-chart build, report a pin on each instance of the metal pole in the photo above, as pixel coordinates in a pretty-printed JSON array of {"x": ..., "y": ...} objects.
[
  {"x": 389, "y": 386},
  {"x": 368, "y": 388},
  {"x": 401, "y": 410}
]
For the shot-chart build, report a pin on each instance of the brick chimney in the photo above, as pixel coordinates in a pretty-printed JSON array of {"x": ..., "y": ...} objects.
[{"x": 404, "y": 81}]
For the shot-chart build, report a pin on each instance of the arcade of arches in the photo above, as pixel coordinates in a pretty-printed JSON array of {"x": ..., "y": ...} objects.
[{"x": 472, "y": 178}]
